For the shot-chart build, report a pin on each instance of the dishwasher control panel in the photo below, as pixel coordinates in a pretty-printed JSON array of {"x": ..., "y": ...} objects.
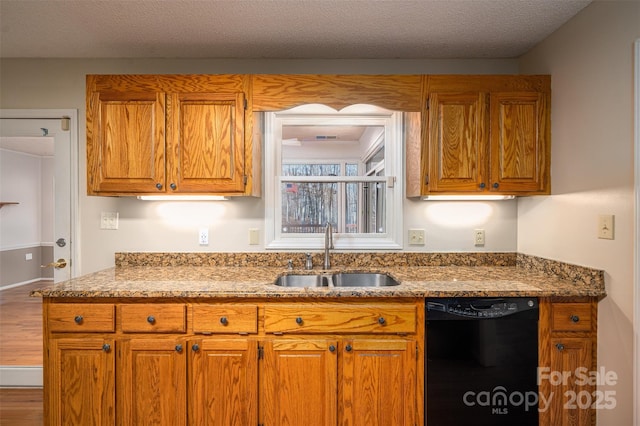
[{"x": 479, "y": 307}]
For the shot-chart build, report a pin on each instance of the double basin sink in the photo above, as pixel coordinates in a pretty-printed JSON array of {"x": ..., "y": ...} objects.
[{"x": 338, "y": 279}]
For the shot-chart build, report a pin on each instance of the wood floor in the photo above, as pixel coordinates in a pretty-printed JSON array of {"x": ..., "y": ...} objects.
[
  {"x": 21, "y": 326},
  {"x": 21, "y": 344}
]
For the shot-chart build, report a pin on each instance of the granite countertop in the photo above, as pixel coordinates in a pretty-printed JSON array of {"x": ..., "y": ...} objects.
[{"x": 527, "y": 277}]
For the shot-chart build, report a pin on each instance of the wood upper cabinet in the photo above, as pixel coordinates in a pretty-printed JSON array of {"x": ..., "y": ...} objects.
[
  {"x": 170, "y": 134},
  {"x": 482, "y": 134}
]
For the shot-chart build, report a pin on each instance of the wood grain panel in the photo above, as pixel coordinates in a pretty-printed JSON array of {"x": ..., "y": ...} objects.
[
  {"x": 85, "y": 373},
  {"x": 227, "y": 83},
  {"x": 152, "y": 318},
  {"x": 458, "y": 141},
  {"x": 225, "y": 319},
  {"x": 378, "y": 383},
  {"x": 571, "y": 317},
  {"x": 275, "y": 92},
  {"x": 152, "y": 386},
  {"x": 81, "y": 318},
  {"x": 223, "y": 382},
  {"x": 340, "y": 318},
  {"x": 415, "y": 152},
  {"x": 300, "y": 384}
]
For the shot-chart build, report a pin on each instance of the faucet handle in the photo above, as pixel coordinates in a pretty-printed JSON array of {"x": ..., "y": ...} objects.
[
  {"x": 290, "y": 264},
  {"x": 308, "y": 264}
]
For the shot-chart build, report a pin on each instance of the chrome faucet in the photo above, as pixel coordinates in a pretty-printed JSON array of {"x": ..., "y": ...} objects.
[{"x": 328, "y": 244}]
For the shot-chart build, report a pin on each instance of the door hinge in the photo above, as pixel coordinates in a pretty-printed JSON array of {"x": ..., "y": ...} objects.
[
  {"x": 427, "y": 104},
  {"x": 426, "y": 180},
  {"x": 245, "y": 104},
  {"x": 260, "y": 352},
  {"x": 245, "y": 179}
]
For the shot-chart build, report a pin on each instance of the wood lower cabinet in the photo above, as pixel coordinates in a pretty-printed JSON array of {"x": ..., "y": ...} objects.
[
  {"x": 152, "y": 382},
  {"x": 567, "y": 356},
  {"x": 223, "y": 381},
  {"x": 80, "y": 381}
]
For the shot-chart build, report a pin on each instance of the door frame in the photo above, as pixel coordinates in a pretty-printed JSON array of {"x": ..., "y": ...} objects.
[
  {"x": 636, "y": 232},
  {"x": 72, "y": 114}
]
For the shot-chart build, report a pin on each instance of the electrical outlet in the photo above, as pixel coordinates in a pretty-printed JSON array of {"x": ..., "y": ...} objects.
[
  {"x": 478, "y": 237},
  {"x": 605, "y": 226},
  {"x": 203, "y": 236},
  {"x": 416, "y": 237},
  {"x": 28, "y": 256}
]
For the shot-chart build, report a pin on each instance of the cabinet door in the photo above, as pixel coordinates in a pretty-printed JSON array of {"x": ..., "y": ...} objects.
[
  {"x": 458, "y": 142},
  {"x": 207, "y": 142},
  {"x": 378, "y": 382},
  {"x": 224, "y": 380},
  {"x": 126, "y": 142},
  {"x": 519, "y": 142},
  {"x": 81, "y": 382},
  {"x": 300, "y": 383},
  {"x": 152, "y": 382},
  {"x": 570, "y": 395}
]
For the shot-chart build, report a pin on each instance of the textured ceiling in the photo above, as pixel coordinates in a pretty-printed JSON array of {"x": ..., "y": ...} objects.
[{"x": 278, "y": 28}]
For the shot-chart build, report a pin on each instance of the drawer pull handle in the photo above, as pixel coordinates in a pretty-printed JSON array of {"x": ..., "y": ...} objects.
[
  {"x": 299, "y": 320},
  {"x": 224, "y": 321},
  {"x": 382, "y": 321},
  {"x": 151, "y": 319},
  {"x": 332, "y": 348},
  {"x": 574, "y": 318},
  {"x": 560, "y": 346},
  {"x": 78, "y": 319},
  {"x": 178, "y": 348},
  {"x": 195, "y": 347},
  {"x": 106, "y": 347},
  {"x": 348, "y": 348}
]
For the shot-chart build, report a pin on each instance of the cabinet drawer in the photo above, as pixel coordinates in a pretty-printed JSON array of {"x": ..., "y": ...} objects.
[
  {"x": 81, "y": 317},
  {"x": 571, "y": 317},
  {"x": 153, "y": 318},
  {"x": 381, "y": 318},
  {"x": 225, "y": 319}
]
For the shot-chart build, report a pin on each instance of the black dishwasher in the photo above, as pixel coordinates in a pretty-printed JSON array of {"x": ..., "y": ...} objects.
[{"x": 481, "y": 361}]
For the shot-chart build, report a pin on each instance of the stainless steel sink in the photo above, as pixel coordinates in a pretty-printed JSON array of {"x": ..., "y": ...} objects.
[
  {"x": 362, "y": 279},
  {"x": 299, "y": 280}
]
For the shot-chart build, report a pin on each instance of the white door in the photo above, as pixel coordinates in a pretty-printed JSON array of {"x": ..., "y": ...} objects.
[{"x": 28, "y": 128}]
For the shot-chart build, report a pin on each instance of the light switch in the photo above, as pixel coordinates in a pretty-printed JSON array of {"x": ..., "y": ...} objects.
[
  {"x": 254, "y": 236},
  {"x": 605, "y": 226}
]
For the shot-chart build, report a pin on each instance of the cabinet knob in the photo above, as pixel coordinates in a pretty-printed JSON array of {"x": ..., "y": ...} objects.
[
  {"x": 173, "y": 186},
  {"x": 158, "y": 186},
  {"x": 483, "y": 185},
  {"x": 382, "y": 321},
  {"x": 348, "y": 348},
  {"x": 560, "y": 346},
  {"x": 106, "y": 347},
  {"x": 299, "y": 320},
  {"x": 195, "y": 347},
  {"x": 495, "y": 185},
  {"x": 574, "y": 318},
  {"x": 224, "y": 321},
  {"x": 151, "y": 319},
  {"x": 332, "y": 348},
  {"x": 178, "y": 348},
  {"x": 78, "y": 319}
]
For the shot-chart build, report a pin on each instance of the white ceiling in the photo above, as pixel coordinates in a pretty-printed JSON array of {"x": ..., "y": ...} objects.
[{"x": 316, "y": 29}]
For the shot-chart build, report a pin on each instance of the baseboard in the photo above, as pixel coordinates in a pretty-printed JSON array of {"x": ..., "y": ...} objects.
[
  {"x": 35, "y": 280},
  {"x": 20, "y": 376}
]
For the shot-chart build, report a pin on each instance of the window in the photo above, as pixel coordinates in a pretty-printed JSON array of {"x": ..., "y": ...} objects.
[{"x": 324, "y": 166}]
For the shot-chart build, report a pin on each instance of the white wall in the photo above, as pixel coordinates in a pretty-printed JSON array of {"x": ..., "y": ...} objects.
[
  {"x": 20, "y": 180},
  {"x": 155, "y": 226},
  {"x": 590, "y": 62}
]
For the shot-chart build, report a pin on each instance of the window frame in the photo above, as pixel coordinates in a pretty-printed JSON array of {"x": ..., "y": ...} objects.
[{"x": 309, "y": 115}]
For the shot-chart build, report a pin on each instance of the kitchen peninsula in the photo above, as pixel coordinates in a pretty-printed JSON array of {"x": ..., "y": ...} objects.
[{"x": 208, "y": 338}]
